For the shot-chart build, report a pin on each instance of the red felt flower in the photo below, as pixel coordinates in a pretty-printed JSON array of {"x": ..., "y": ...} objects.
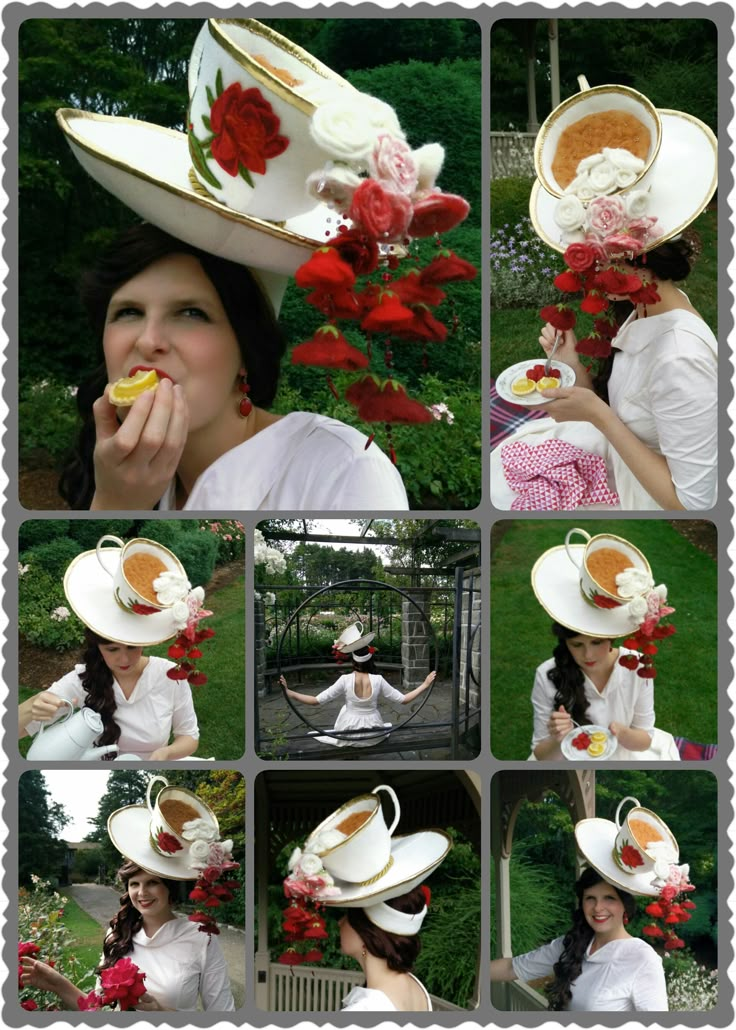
[
  {"x": 674, "y": 942},
  {"x": 291, "y": 957},
  {"x": 412, "y": 289},
  {"x": 167, "y": 842},
  {"x": 649, "y": 648},
  {"x": 437, "y": 212},
  {"x": 579, "y": 257},
  {"x": 593, "y": 303},
  {"x": 194, "y": 652},
  {"x": 144, "y": 609},
  {"x": 383, "y": 213},
  {"x": 324, "y": 270},
  {"x": 661, "y": 631},
  {"x": 558, "y": 315},
  {"x": 427, "y": 894},
  {"x": 423, "y": 326},
  {"x": 655, "y": 910},
  {"x": 613, "y": 281},
  {"x": 177, "y": 674},
  {"x": 688, "y": 904},
  {"x": 246, "y": 130},
  {"x": 388, "y": 314},
  {"x": 312, "y": 956},
  {"x": 568, "y": 282},
  {"x": 197, "y": 679},
  {"x": 629, "y": 661},
  {"x": 392, "y": 404},
  {"x": 652, "y": 931},
  {"x": 176, "y": 651},
  {"x": 646, "y": 295},
  {"x": 647, "y": 672},
  {"x": 197, "y": 894},
  {"x": 338, "y": 302},
  {"x": 601, "y": 601},
  {"x": 447, "y": 267},
  {"x": 631, "y": 857},
  {"x": 606, "y": 326},
  {"x": 356, "y": 248},
  {"x": 328, "y": 348},
  {"x": 203, "y": 634},
  {"x": 595, "y": 346}
]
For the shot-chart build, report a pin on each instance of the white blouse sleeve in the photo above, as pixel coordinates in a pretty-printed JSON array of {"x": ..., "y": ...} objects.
[
  {"x": 330, "y": 693},
  {"x": 684, "y": 397},
  {"x": 215, "y": 988},
  {"x": 390, "y": 693},
  {"x": 643, "y": 718},
  {"x": 70, "y": 688},
  {"x": 184, "y": 718},
  {"x": 649, "y": 991},
  {"x": 543, "y": 695},
  {"x": 537, "y": 963}
]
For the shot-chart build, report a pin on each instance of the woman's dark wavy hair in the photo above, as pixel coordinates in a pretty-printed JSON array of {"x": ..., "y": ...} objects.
[
  {"x": 672, "y": 261},
  {"x": 576, "y": 940},
  {"x": 567, "y": 676},
  {"x": 248, "y": 310},
  {"x": 400, "y": 952},
  {"x": 128, "y": 920},
  {"x": 369, "y": 666},
  {"x": 97, "y": 681}
]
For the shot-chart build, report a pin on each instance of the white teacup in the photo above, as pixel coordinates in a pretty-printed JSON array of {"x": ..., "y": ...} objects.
[
  {"x": 159, "y": 822},
  {"x": 589, "y": 586},
  {"x": 365, "y": 852},
  {"x": 632, "y": 852},
  {"x": 112, "y": 560}
]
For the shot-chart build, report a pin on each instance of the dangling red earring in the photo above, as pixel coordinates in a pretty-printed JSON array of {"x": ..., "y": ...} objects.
[
  {"x": 626, "y": 920},
  {"x": 246, "y": 405}
]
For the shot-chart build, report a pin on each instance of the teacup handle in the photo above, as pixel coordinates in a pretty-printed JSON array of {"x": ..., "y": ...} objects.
[
  {"x": 360, "y": 627},
  {"x": 620, "y": 805},
  {"x": 397, "y": 806},
  {"x": 99, "y": 548},
  {"x": 583, "y": 83},
  {"x": 163, "y": 780},
  {"x": 58, "y": 722},
  {"x": 567, "y": 544}
]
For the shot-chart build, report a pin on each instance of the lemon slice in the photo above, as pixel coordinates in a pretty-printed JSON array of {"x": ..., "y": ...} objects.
[
  {"x": 522, "y": 387},
  {"x": 598, "y": 738},
  {"x": 548, "y": 383},
  {"x": 124, "y": 391},
  {"x": 595, "y": 750}
]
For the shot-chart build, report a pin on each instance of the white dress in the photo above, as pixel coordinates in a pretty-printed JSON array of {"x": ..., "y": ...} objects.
[
  {"x": 367, "y": 999},
  {"x": 626, "y": 698},
  {"x": 303, "y": 462},
  {"x": 181, "y": 965},
  {"x": 358, "y": 712},
  {"x": 158, "y": 707},
  {"x": 664, "y": 388},
  {"x": 622, "y": 976}
]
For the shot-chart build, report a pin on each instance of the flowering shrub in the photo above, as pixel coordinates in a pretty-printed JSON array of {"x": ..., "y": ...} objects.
[
  {"x": 230, "y": 536},
  {"x": 42, "y": 935},
  {"x": 690, "y": 986},
  {"x": 268, "y": 556},
  {"x": 43, "y": 614},
  {"x": 522, "y": 267},
  {"x": 48, "y": 412}
]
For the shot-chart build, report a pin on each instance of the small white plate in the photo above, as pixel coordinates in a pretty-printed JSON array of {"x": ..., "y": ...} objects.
[
  {"x": 532, "y": 400},
  {"x": 572, "y": 753}
]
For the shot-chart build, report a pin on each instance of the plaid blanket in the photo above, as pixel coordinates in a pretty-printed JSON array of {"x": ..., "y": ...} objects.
[
  {"x": 506, "y": 418},
  {"x": 690, "y": 751}
]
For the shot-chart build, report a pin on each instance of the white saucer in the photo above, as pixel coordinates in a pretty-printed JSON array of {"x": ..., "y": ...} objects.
[{"x": 572, "y": 753}]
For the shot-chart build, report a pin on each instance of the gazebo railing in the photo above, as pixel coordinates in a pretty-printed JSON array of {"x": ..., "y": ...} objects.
[
  {"x": 296, "y": 989},
  {"x": 512, "y": 153},
  {"x": 516, "y": 996}
]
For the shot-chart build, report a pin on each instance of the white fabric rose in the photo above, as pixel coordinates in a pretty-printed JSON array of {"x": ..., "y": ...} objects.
[
  {"x": 330, "y": 839},
  {"x": 582, "y": 188},
  {"x": 199, "y": 853},
  {"x": 661, "y": 592},
  {"x": 347, "y": 129},
  {"x": 603, "y": 177},
  {"x": 622, "y": 158},
  {"x": 171, "y": 587},
  {"x": 624, "y": 177},
  {"x": 637, "y": 608},
  {"x": 295, "y": 856},
  {"x": 381, "y": 116},
  {"x": 637, "y": 203},
  {"x": 569, "y": 213},
  {"x": 310, "y": 864},
  {"x": 590, "y": 162},
  {"x": 632, "y": 582},
  {"x": 334, "y": 184},
  {"x": 429, "y": 160},
  {"x": 180, "y": 614},
  {"x": 198, "y": 829}
]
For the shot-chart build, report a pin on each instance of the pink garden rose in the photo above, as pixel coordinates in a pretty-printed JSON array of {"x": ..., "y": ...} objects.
[{"x": 606, "y": 215}]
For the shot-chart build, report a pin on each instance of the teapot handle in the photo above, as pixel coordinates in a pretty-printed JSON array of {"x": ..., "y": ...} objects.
[
  {"x": 151, "y": 782},
  {"x": 58, "y": 722},
  {"x": 620, "y": 805},
  {"x": 100, "y": 548},
  {"x": 567, "y": 544},
  {"x": 397, "y": 807}
]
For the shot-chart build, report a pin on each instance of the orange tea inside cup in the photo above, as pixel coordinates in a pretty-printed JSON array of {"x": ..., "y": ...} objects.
[
  {"x": 590, "y": 134},
  {"x": 353, "y": 822},
  {"x": 177, "y": 812},
  {"x": 604, "y": 564},
  {"x": 141, "y": 569},
  {"x": 644, "y": 833}
]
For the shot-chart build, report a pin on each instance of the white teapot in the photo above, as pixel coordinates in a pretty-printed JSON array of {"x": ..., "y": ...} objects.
[{"x": 70, "y": 739}]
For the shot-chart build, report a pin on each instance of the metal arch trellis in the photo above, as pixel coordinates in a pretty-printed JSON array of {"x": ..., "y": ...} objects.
[{"x": 383, "y": 731}]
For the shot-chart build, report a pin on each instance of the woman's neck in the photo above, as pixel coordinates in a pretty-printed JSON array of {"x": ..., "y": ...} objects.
[
  {"x": 671, "y": 298},
  {"x": 152, "y": 924},
  {"x": 599, "y": 939},
  {"x": 128, "y": 681},
  {"x": 600, "y": 679}
]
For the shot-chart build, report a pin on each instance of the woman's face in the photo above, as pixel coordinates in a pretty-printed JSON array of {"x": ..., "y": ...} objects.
[
  {"x": 350, "y": 943},
  {"x": 149, "y": 895},
  {"x": 120, "y": 657},
  {"x": 603, "y": 909},
  {"x": 590, "y": 653},
  {"x": 170, "y": 318}
]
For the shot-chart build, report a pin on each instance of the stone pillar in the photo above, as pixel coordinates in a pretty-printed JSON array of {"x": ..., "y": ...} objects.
[
  {"x": 415, "y": 641},
  {"x": 475, "y": 618},
  {"x": 259, "y": 648}
]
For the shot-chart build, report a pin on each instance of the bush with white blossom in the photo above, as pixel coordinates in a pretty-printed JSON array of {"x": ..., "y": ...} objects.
[
  {"x": 268, "y": 556},
  {"x": 691, "y": 987}
]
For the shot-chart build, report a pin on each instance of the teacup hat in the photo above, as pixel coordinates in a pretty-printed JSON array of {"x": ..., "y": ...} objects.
[
  {"x": 353, "y": 639},
  {"x": 627, "y": 604},
  {"x": 137, "y": 593}
]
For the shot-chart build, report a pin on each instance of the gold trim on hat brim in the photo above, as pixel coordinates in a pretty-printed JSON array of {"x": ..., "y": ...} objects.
[
  {"x": 289, "y": 94},
  {"x": 65, "y": 117},
  {"x": 708, "y": 135},
  {"x": 573, "y": 101}
]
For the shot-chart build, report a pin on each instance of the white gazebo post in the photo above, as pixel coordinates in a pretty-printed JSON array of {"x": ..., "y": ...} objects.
[
  {"x": 554, "y": 60},
  {"x": 262, "y": 956}
]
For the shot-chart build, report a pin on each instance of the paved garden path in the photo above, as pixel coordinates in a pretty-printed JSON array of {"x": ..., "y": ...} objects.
[{"x": 101, "y": 903}]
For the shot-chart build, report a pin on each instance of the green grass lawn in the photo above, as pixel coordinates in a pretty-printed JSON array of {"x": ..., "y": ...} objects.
[
  {"x": 686, "y": 693},
  {"x": 88, "y": 936},
  {"x": 220, "y": 703},
  {"x": 515, "y": 331}
]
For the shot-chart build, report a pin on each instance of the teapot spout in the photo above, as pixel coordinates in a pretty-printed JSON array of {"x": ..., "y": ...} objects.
[{"x": 92, "y": 754}]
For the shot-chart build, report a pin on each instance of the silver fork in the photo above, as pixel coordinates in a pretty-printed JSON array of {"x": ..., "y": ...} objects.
[{"x": 548, "y": 362}]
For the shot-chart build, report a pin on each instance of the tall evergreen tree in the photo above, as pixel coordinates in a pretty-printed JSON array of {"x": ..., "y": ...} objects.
[{"x": 40, "y": 821}]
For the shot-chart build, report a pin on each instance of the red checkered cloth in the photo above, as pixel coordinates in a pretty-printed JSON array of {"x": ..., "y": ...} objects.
[
  {"x": 506, "y": 418},
  {"x": 555, "y": 476},
  {"x": 690, "y": 751}
]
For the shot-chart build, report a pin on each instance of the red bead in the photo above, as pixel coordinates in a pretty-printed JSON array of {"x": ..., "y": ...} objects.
[{"x": 246, "y": 406}]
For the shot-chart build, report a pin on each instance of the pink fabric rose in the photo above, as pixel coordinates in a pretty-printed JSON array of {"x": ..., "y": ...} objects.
[
  {"x": 383, "y": 213},
  {"x": 606, "y": 215},
  {"x": 393, "y": 162}
]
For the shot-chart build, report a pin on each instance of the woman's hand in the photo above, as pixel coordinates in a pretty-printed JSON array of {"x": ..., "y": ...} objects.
[
  {"x": 574, "y": 404},
  {"x": 566, "y": 350},
  {"x": 284, "y": 684},
  {"x": 430, "y": 679},
  {"x": 135, "y": 462},
  {"x": 46, "y": 705},
  {"x": 147, "y": 1003},
  {"x": 40, "y": 975},
  {"x": 560, "y": 723}
]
